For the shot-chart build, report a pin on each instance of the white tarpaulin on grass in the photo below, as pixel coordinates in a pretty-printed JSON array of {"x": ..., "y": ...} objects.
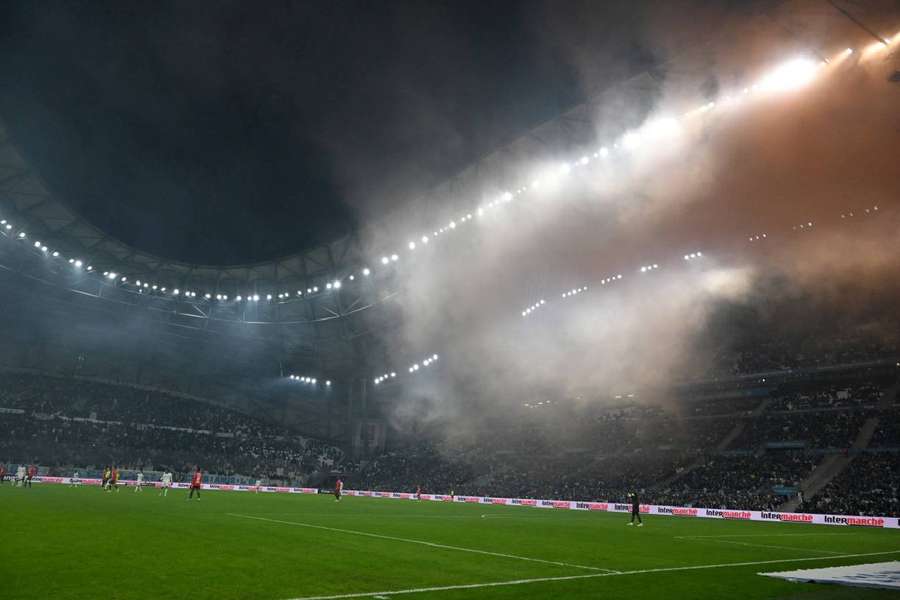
[{"x": 884, "y": 575}]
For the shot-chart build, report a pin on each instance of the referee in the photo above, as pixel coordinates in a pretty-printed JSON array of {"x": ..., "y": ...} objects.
[{"x": 635, "y": 509}]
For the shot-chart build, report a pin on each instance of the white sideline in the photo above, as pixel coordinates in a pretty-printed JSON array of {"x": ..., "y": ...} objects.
[
  {"x": 467, "y": 586},
  {"x": 734, "y": 535},
  {"x": 424, "y": 543},
  {"x": 794, "y": 548}
]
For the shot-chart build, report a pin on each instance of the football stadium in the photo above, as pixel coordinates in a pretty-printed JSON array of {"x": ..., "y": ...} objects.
[{"x": 525, "y": 299}]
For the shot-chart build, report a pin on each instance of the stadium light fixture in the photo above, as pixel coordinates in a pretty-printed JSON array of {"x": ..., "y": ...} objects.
[
  {"x": 8, "y": 226},
  {"x": 411, "y": 245},
  {"x": 366, "y": 272},
  {"x": 176, "y": 291},
  {"x": 328, "y": 382},
  {"x": 789, "y": 76},
  {"x": 337, "y": 284},
  {"x": 55, "y": 254},
  {"x": 394, "y": 257},
  {"x": 385, "y": 260}
]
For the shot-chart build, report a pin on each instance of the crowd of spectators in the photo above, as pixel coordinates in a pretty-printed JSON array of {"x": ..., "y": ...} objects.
[
  {"x": 63, "y": 421},
  {"x": 770, "y": 448},
  {"x": 870, "y": 486},
  {"x": 736, "y": 452}
]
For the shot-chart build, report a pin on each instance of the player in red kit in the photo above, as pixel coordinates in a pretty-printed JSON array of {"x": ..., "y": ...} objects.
[
  {"x": 31, "y": 473},
  {"x": 338, "y": 490},
  {"x": 113, "y": 483},
  {"x": 196, "y": 482},
  {"x": 2, "y": 473}
]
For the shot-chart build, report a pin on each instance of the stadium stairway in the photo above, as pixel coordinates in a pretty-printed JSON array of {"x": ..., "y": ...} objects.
[
  {"x": 732, "y": 435},
  {"x": 832, "y": 466}
]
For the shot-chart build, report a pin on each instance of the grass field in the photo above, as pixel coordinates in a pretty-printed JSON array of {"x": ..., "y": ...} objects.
[{"x": 60, "y": 542}]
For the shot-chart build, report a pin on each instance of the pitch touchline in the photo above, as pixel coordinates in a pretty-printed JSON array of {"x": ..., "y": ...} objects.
[
  {"x": 721, "y": 541},
  {"x": 467, "y": 586},
  {"x": 734, "y": 535},
  {"x": 423, "y": 543}
]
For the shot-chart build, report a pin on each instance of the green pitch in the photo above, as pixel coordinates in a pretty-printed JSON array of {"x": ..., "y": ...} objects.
[{"x": 58, "y": 542}]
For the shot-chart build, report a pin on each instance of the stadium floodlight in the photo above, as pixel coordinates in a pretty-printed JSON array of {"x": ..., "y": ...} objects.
[
  {"x": 3, "y": 222},
  {"x": 8, "y": 226},
  {"x": 299, "y": 293},
  {"x": 43, "y": 248},
  {"x": 207, "y": 295},
  {"x": 111, "y": 275},
  {"x": 385, "y": 260},
  {"x": 791, "y": 75},
  {"x": 328, "y": 382},
  {"x": 256, "y": 297},
  {"x": 37, "y": 244},
  {"x": 315, "y": 288},
  {"x": 394, "y": 257},
  {"x": 175, "y": 292},
  {"x": 55, "y": 254},
  {"x": 337, "y": 285},
  {"x": 434, "y": 357},
  {"x": 309, "y": 290},
  {"x": 218, "y": 296},
  {"x": 162, "y": 289},
  {"x": 238, "y": 298},
  {"x": 268, "y": 296},
  {"x": 452, "y": 224},
  {"x": 138, "y": 283},
  {"x": 411, "y": 245},
  {"x": 21, "y": 235},
  {"x": 328, "y": 286},
  {"x": 393, "y": 374},
  {"x": 366, "y": 272},
  {"x": 424, "y": 239},
  {"x": 604, "y": 151},
  {"x": 313, "y": 380}
]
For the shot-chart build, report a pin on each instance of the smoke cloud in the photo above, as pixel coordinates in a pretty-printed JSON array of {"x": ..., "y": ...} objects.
[{"x": 765, "y": 165}]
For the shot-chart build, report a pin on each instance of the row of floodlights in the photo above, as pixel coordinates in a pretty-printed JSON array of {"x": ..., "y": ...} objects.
[
  {"x": 425, "y": 363},
  {"x": 533, "y": 307},
  {"x": 76, "y": 262},
  {"x": 309, "y": 380}
]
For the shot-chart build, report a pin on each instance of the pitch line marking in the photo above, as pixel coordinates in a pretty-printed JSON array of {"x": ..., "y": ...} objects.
[
  {"x": 720, "y": 541},
  {"x": 734, "y": 535},
  {"x": 424, "y": 543},
  {"x": 468, "y": 586}
]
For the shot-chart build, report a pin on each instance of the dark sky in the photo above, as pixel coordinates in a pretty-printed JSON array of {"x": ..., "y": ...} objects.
[{"x": 225, "y": 132}]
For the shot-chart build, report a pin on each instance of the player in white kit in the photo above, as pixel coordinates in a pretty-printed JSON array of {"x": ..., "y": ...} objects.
[
  {"x": 166, "y": 483},
  {"x": 139, "y": 482}
]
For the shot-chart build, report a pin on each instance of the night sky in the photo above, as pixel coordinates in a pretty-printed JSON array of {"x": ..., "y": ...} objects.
[{"x": 228, "y": 132}]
